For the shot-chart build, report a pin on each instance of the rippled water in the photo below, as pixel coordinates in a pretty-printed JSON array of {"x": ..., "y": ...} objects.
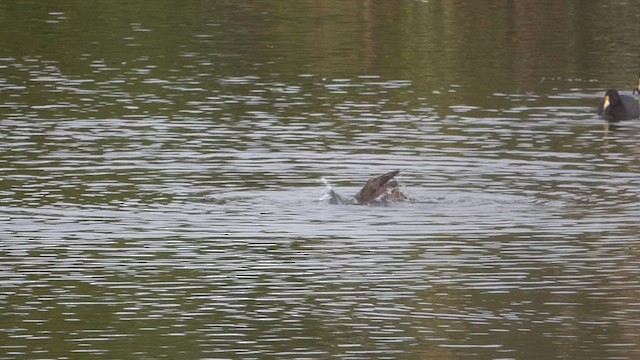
[{"x": 167, "y": 200}]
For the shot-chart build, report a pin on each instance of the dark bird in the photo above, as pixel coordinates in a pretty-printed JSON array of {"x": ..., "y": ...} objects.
[
  {"x": 376, "y": 187},
  {"x": 637, "y": 90},
  {"x": 378, "y": 190},
  {"x": 617, "y": 107}
]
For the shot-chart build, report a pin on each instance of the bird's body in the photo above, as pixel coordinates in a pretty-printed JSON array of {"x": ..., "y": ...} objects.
[
  {"x": 616, "y": 107},
  {"x": 375, "y": 187},
  {"x": 379, "y": 190}
]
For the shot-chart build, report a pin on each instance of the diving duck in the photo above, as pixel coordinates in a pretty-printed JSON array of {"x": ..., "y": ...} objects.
[{"x": 379, "y": 190}]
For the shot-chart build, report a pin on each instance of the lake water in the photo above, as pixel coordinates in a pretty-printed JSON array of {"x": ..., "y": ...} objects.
[{"x": 163, "y": 171}]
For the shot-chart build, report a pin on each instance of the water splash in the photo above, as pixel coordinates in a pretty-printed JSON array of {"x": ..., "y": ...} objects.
[
  {"x": 327, "y": 190},
  {"x": 332, "y": 196}
]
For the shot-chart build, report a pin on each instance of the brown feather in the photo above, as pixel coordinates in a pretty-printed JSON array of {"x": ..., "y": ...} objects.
[{"x": 375, "y": 187}]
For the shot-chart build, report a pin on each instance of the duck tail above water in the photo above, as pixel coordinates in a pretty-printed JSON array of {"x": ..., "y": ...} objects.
[
  {"x": 375, "y": 187},
  {"x": 380, "y": 190}
]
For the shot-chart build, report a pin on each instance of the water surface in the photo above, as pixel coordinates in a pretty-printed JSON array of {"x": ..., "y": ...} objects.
[{"x": 161, "y": 189}]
